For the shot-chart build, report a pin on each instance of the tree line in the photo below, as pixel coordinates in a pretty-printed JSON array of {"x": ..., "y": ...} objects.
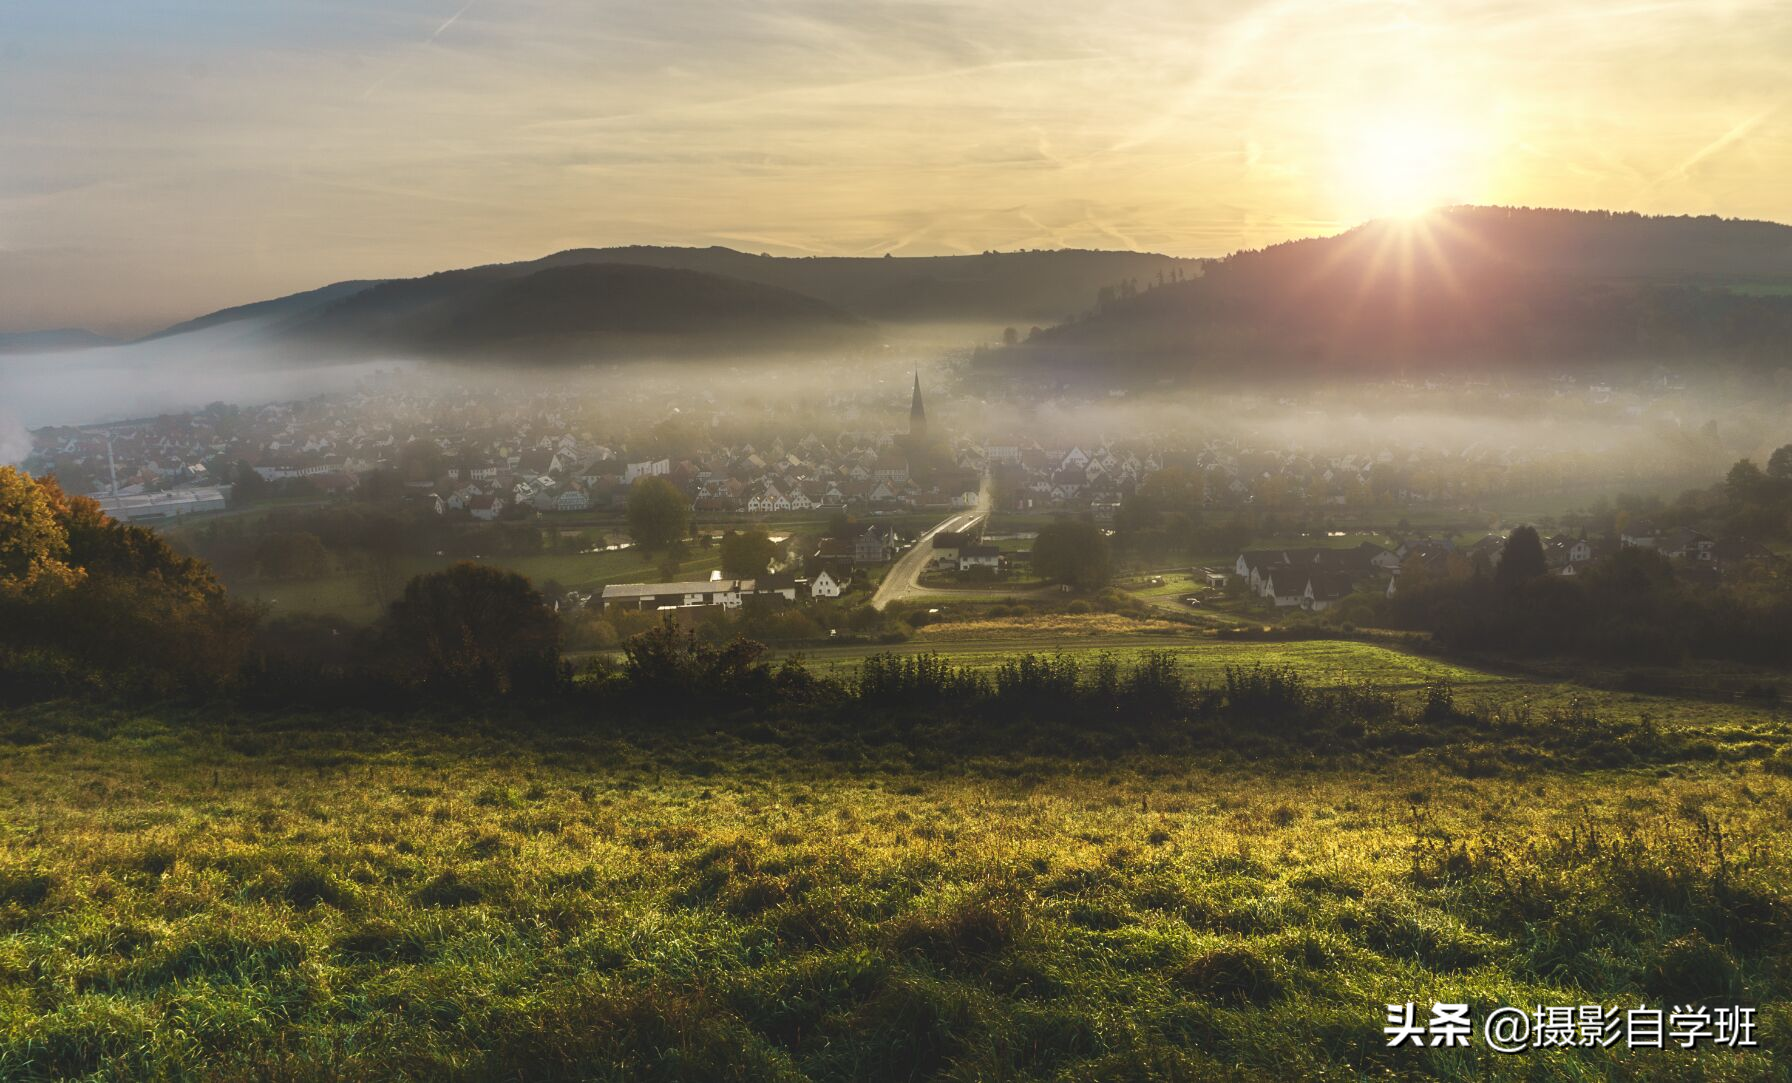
[{"x": 1630, "y": 607}]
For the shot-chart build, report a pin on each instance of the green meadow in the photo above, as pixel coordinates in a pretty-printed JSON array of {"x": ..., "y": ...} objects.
[{"x": 218, "y": 895}]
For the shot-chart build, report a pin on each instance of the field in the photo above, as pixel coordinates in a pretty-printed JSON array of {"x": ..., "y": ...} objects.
[
  {"x": 348, "y": 595},
  {"x": 192, "y": 894},
  {"x": 984, "y": 644}
]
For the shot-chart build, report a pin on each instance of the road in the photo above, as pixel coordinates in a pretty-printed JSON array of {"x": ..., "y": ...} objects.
[{"x": 904, "y": 577}]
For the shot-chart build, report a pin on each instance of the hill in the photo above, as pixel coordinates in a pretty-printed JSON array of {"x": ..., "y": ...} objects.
[
  {"x": 1468, "y": 286},
  {"x": 253, "y": 316},
  {"x": 574, "y": 312},
  {"x": 1015, "y": 287},
  {"x": 993, "y": 288}
]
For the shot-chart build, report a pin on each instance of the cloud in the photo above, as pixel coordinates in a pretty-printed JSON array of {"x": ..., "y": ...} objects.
[{"x": 270, "y": 148}]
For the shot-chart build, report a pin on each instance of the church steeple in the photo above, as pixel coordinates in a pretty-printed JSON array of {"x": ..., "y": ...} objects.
[{"x": 917, "y": 414}]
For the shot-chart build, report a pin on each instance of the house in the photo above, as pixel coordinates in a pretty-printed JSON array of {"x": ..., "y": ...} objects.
[
  {"x": 877, "y": 545},
  {"x": 834, "y": 552},
  {"x": 946, "y": 544},
  {"x": 1324, "y": 590},
  {"x": 783, "y": 584},
  {"x": 979, "y": 556},
  {"x": 650, "y": 469},
  {"x": 486, "y": 507},
  {"x": 1686, "y": 543},
  {"x": 723, "y": 592},
  {"x": 1285, "y": 584},
  {"x": 825, "y": 585}
]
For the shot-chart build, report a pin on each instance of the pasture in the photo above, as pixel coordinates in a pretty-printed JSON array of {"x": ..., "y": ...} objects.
[{"x": 198, "y": 894}]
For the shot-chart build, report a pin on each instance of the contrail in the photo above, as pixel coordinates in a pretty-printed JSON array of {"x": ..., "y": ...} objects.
[
  {"x": 381, "y": 81},
  {"x": 450, "y": 22},
  {"x": 1736, "y": 134}
]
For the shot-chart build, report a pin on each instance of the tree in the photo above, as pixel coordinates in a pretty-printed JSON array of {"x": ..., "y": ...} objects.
[
  {"x": 1074, "y": 553},
  {"x": 474, "y": 629},
  {"x": 1010, "y": 336},
  {"x": 34, "y": 547},
  {"x": 666, "y": 662},
  {"x": 1522, "y": 558},
  {"x": 747, "y": 553},
  {"x": 658, "y": 514},
  {"x": 1745, "y": 480},
  {"x": 1779, "y": 464},
  {"x": 420, "y": 460},
  {"x": 134, "y": 609},
  {"x": 247, "y": 487}
]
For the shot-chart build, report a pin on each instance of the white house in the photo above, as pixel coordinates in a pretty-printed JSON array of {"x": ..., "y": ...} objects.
[
  {"x": 824, "y": 585},
  {"x": 1286, "y": 585},
  {"x": 649, "y": 469},
  {"x": 979, "y": 556}
]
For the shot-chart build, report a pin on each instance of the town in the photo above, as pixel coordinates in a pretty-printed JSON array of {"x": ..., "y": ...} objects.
[
  {"x": 487, "y": 452},
  {"x": 856, "y": 499}
]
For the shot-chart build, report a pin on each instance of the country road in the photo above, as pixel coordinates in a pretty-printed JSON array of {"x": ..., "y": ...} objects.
[{"x": 904, "y": 578}]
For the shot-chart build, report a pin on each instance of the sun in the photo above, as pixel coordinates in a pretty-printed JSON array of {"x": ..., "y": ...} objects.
[{"x": 1401, "y": 165}]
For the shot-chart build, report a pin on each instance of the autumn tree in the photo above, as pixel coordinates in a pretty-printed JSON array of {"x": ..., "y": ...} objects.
[
  {"x": 133, "y": 608},
  {"x": 33, "y": 542}
]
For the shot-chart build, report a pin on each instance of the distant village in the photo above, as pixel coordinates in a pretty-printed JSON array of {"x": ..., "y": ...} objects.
[
  {"x": 483, "y": 457},
  {"x": 486, "y": 456}
]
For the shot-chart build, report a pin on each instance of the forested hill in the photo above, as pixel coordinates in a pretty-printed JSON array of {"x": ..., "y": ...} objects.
[
  {"x": 576, "y": 312},
  {"x": 1471, "y": 286},
  {"x": 1017, "y": 287},
  {"x": 993, "y": 288}
]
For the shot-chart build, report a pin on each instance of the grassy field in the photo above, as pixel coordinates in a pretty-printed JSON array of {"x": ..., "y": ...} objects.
[
  {"x": 984, "y": 644},
  {"x": 188, "y": 896}
]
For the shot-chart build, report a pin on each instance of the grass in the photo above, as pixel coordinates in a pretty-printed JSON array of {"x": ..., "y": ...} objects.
[
  {"x": 200, "y": 895},
  {"x": 984, "y": 644}
]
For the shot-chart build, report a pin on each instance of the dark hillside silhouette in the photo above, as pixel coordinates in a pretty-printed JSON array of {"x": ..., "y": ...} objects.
[
  {"x": 574, "y": 312},
  {"x": 1036, "y": 287},
  {"x": 1463, "y": 287}
]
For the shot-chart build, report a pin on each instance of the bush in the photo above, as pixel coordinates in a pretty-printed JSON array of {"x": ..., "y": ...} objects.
[{"x": 471, "y": 630}]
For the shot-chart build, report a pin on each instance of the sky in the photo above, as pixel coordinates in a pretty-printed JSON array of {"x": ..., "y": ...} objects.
[{"x": 164, "y": 158}]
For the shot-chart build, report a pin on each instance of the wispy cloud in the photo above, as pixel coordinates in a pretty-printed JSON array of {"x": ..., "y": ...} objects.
[{"x": 220, "y": 153}]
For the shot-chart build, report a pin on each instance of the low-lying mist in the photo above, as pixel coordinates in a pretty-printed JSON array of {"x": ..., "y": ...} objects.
[{"x": 1648, "y": 429}]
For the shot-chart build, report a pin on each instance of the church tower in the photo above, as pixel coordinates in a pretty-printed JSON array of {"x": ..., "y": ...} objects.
[{"x": 917, "y": 415}]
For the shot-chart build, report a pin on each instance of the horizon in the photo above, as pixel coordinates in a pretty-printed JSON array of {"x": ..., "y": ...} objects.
[
  {"x": 168, "y": 163},
  {"x": 153, "y": 330}
]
